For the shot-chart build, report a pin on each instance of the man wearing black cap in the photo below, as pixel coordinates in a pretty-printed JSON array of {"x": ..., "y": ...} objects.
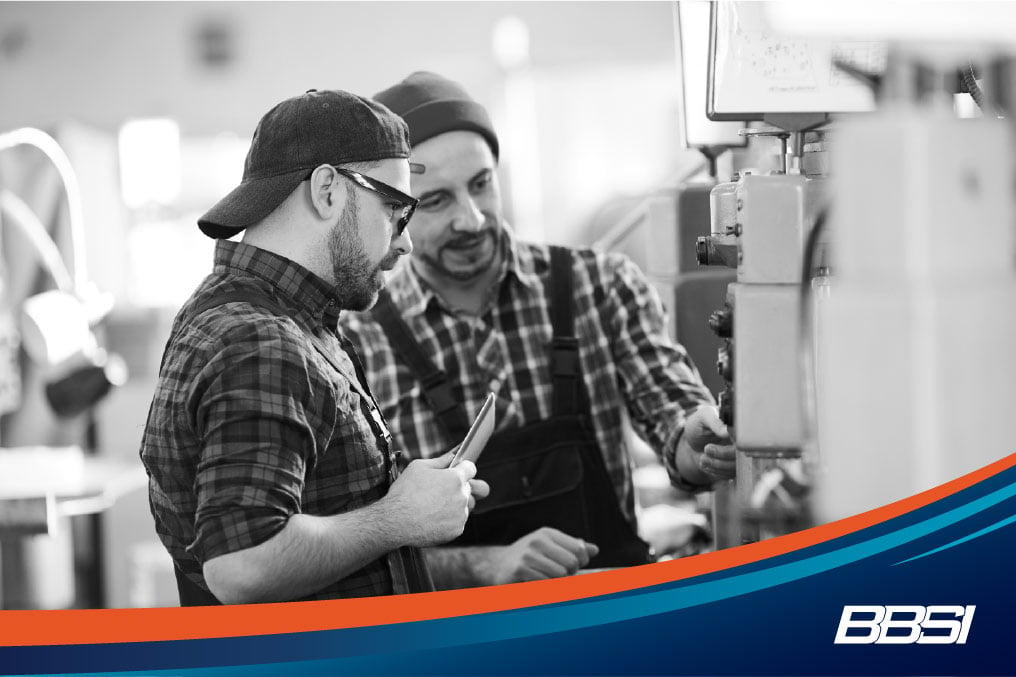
[
  {"x": 566, "y": 339},
  {"x": 271, "y": 472}
]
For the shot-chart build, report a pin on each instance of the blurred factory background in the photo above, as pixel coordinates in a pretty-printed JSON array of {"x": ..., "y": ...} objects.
[
  {"x": 151, "y": 107},
  {"x": 154, "y": 104}
]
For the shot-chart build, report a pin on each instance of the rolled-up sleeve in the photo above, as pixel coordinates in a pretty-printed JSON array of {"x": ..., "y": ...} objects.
[
  {"x": 660, "y": 383},
  {"x": 249, "y": 409}
]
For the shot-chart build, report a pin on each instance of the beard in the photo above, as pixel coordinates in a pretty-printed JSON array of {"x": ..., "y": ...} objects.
[
  {"x": 466, "y": 256},
  {"x": 357, "y": 281}
]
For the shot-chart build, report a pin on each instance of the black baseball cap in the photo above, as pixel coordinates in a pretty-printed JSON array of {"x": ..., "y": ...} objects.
[{"x": 318, "y": 127}]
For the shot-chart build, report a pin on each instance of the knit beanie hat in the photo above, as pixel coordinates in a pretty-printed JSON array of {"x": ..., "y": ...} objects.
[{"x": 431, "y": 105}]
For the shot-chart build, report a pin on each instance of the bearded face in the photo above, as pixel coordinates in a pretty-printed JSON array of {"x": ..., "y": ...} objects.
[
  {"x": 357, "y": 279},
  {"x": 464, "y": 256}
]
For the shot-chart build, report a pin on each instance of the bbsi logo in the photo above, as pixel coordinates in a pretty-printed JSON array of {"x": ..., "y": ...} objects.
[{"x": 905, "y": 624}]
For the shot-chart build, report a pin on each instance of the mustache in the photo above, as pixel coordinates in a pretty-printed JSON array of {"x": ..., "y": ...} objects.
[{"x": 464, "y": 240}]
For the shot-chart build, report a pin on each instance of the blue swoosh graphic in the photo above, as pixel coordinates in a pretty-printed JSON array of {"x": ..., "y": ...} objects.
[{"x": 977, "y": 534}]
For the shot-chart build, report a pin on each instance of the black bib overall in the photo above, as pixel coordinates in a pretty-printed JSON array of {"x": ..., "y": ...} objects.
[{"x": 548, "y": 473}]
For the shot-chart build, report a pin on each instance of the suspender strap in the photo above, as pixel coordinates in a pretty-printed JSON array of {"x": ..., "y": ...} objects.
[
  {"x": 564, "y": 357},
  {"x": 437, "y": 387}
]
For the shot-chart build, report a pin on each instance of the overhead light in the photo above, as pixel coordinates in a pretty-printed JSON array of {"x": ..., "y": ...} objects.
[
  {"x": 510, "y": 42},
  {"x": 150, "y": 162}
]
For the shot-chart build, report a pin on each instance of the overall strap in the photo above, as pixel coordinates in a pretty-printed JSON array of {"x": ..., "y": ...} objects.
[
  {"x": 437, "y": 387},
  {"x": 564, "y": 357}
]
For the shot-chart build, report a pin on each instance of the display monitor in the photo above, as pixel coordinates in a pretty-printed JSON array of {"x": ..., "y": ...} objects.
[{"x": 754, "y": 72}]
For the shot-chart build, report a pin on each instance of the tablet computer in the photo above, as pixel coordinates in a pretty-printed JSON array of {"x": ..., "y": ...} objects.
[{"x": 478, "y": 435}]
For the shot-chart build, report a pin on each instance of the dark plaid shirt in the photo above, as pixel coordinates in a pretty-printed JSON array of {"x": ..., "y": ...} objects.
[
  {"x": 250, "y": 424},
  {"x": 628, "y": 360}
]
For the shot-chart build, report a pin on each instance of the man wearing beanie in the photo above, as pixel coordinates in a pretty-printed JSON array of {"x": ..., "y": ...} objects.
[
  {"x": 271, "y": 471},
  {"x": 567, "y": 339}
]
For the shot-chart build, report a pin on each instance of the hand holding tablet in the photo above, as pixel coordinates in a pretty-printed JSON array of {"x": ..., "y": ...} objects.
[{"x": 478, "y": 435}]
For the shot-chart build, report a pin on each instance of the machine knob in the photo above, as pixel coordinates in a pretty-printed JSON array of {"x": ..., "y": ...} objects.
[
  {"x": 722, "y": 322},
  {"x": 727, "y": 407},
  {"x": 702, "y": 251},
  {"x": 724, "y": 364}
]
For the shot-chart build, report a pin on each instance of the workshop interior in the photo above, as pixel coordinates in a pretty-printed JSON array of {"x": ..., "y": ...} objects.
[{"x": 822, "y": 194}]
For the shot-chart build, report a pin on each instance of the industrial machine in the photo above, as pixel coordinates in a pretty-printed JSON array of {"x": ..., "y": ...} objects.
[
  {"x": 875, "y": 247},
  {"x": 760, "y": 224}
]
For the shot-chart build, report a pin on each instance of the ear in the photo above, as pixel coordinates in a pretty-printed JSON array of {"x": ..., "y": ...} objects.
[{"x": 328, "y": 193}]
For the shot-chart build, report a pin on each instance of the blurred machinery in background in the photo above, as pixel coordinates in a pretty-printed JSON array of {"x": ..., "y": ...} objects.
[
  {"x": 916, "y": 372},
  {"x": 56, "y": 325},
  {"x": 865, "y": 339},
  {"x": 54, "y": 369}
]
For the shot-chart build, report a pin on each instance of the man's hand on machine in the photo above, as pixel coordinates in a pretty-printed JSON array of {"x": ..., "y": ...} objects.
[
  {"x": 705, "y": 453},
  {"x": 544, "y": 553}
]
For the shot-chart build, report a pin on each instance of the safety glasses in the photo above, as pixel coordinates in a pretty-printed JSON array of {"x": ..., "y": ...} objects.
[{"x": 405, "y": 204}]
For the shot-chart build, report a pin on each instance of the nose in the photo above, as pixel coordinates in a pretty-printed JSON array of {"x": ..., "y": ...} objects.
[
  {"x": 469, "y": 218},
  {"x": 403, "y": 244}
]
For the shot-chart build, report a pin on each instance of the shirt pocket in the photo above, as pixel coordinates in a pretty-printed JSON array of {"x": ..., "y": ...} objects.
[{"x": 352, "y": 469}]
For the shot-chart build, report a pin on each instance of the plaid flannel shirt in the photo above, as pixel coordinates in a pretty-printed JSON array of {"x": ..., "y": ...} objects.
[
  {"x": 250, "y": 424},
  {"x": 628, "y": 359}
]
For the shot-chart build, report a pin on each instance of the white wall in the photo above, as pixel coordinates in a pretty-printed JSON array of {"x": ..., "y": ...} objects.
[
  {"x": 101, "y": 62},
  {"x": 604, "y": 80},
  {"x": 605, "y": 77}
]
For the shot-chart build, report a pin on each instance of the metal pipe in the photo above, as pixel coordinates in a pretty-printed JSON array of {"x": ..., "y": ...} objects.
[
  {"x": 48, "y": 145},
  {"x": 21, "y": 215}
]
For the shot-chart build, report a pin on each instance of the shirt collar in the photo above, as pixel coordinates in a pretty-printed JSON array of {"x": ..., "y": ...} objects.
[
  {"x": 412, "y": 294},
  {"x": 297, "y": 286}
]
